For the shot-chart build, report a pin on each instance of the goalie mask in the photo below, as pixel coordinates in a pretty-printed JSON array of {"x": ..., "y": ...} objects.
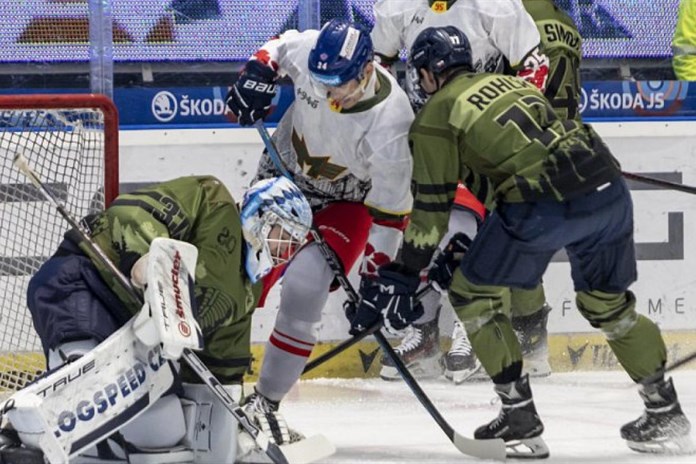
[{"x": 276, "y": 219}]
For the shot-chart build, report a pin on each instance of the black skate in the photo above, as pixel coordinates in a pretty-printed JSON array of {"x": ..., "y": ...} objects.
[
  {"x": 518, "y": 423},
  {"x": 420, "y": 352},
  {"x": 460, "y": 361},
  {"x": 534, "y": 341},
  {"x": 663, "y": 428}
]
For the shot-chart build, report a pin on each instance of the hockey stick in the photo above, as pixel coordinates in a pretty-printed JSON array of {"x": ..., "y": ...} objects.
[
  {"x": 484, "y": 449},
  {"x": 344, "y": 345},
  {"x": 262, "y": 440},
  {"x": 659, "y": 182},
  {"x": 660, "y": 374}
]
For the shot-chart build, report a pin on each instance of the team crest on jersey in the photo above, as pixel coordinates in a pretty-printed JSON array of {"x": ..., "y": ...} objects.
[
  {"x": 439, "y": 6},
  {"x": 314, "y": 166}
]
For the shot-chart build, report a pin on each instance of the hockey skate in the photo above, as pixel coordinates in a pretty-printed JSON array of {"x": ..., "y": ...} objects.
[
  {"x": 295, "y": 446},
  {"x": 662, "y": 428},
  {"x": 534, "y": 340},
  {"x": 518, "y": 423},
  {"x": 460, "y": 361},
  {"x": 420, "y": 351},
  {"x": 264, "y": 413}
]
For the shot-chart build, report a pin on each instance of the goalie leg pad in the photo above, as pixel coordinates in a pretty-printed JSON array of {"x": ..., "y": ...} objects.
[
  {"x": 212, "y": 431},
  {"x": 160, "y": 426},
  {"x": 90, "y": 398}
]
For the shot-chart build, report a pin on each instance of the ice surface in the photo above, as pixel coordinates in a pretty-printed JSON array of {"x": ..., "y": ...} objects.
[{"x": 373, "y": 421}]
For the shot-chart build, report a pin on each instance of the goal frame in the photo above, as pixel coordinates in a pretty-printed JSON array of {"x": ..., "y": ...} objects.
[
  {"x": 17, "y": 367},
  {"x": 76, "y": 101}
]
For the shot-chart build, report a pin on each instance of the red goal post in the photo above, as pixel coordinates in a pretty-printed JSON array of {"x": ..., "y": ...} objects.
[{"x": 71, "y": 141}]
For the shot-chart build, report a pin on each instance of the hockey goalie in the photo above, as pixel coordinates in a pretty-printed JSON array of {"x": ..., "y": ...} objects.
[{"x": 115, "y": 390}]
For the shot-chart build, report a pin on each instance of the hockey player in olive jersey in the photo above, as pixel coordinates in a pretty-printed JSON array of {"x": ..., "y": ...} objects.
[
  {"x": 499, "y": 32},
  {"x": 555, "y": 185},
  {"x": 561, "y": 43},
  {"x": 77, "y": 303}
]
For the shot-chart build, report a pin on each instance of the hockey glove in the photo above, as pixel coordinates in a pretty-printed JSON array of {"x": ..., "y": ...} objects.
[
  {"x": 251, "y": 96},
  {"x": 363, "y": 315},
  {"x": 392, "y": 294},
  {"x": 445, "y": 263}
]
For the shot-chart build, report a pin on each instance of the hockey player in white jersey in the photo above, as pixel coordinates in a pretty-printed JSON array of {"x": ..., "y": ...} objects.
[
  {"x": 344, "y": 140},
  {"x": 498, "y": 31}
]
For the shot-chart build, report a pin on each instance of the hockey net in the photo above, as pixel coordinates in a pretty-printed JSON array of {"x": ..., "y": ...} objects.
[{"x": 71, "y": 141}]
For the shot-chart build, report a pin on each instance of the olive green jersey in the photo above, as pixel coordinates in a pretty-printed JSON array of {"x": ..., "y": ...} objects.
[
  {"x": 200, "y": 211},
  {"x": 500, "y": 136},
  {"x": 562, "y": 43}
]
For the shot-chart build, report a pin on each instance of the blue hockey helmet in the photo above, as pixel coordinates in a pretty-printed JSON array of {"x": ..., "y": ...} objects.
[
  {"x": 439, "y": 48},
  {"x": 340, "y": 53}
]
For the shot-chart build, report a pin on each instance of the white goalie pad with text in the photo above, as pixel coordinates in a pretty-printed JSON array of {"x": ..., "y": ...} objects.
[
  {"x": 90, "y": 398},
  {"x": 167, "y": 315}
]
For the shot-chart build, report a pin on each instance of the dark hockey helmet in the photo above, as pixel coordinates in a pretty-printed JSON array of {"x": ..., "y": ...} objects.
[
  {"x": 340, "y": 53},
  {"x": 439, "y": 48}
]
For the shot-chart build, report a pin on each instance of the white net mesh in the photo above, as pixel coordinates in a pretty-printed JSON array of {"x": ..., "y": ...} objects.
[{"x": 66, "y": 148}]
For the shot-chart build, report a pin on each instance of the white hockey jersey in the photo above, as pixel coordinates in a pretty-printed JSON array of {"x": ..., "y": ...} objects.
[
  {"x": 360, "y": 154},
  {"x": 495, "y": 28}
]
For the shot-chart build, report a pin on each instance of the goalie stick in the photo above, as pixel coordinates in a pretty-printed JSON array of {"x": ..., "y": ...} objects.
[
  {"x": 272, "y": 450},
  {"x": 660, "y": 374},
  {"x": 484, "y": 449}
]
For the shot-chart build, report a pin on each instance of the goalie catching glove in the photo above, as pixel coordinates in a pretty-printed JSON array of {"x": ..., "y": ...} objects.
[{"x": 391, "y": 294}]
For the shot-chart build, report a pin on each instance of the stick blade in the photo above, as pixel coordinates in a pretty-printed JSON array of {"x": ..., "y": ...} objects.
[
  {"x": 484, "y": 449},
  {"x": 20, "y": 162},
  {"x": 275, "y": 454}
]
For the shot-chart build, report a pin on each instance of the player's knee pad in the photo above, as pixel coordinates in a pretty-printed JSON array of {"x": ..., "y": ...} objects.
[
  {"x": 162, "y": 425},
  {"x": 477, "y": 306},
  {"x": 613, "y": 313},
  {"x": 293, "y": 325},
  {"x": 211, "y": 430},
  {"x": 306, "y": 285}
]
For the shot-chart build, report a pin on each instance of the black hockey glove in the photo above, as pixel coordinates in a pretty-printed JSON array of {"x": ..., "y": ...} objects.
[
  {"x": 363, "y": 314},
  {"x": 447, "y": 261},
  {"x": 251, "y": 96},
  {"x": 392, "y": 294}
]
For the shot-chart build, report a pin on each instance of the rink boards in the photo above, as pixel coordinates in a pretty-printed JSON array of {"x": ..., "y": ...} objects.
[{"x": 664, "y": 223}]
